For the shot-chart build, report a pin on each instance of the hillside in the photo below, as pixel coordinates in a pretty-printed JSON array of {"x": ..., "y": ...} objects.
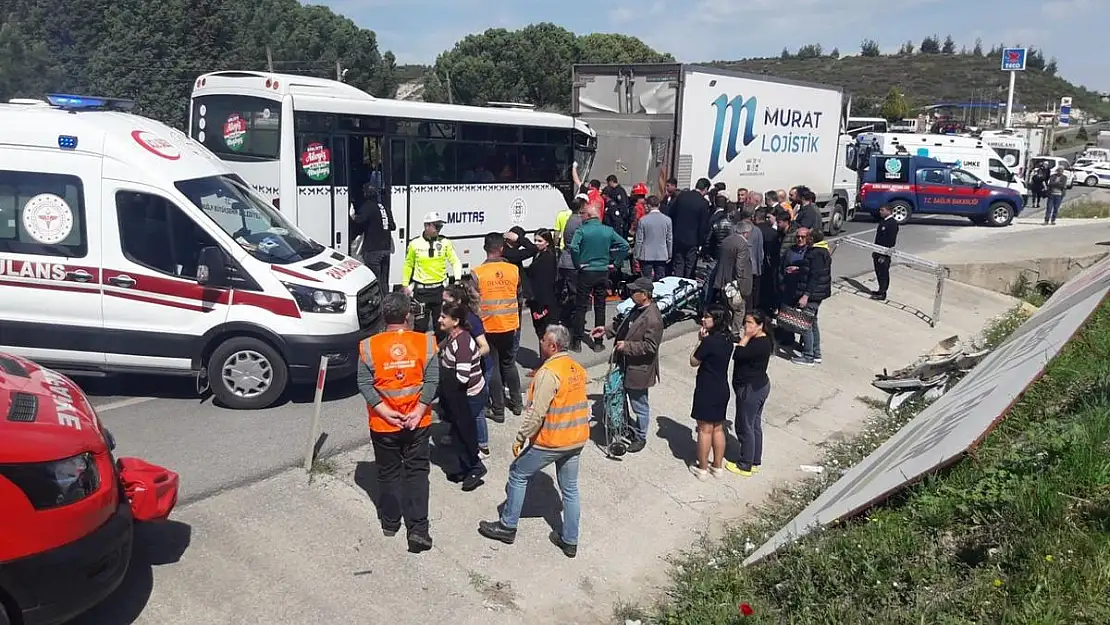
[{"x": 924, "y": 79}]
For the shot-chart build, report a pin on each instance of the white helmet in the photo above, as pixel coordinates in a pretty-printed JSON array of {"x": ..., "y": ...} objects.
[{"x": 433, "y": 217}]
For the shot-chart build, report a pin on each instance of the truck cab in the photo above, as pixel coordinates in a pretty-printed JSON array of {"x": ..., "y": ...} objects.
[{"x": 912, "y": 185}]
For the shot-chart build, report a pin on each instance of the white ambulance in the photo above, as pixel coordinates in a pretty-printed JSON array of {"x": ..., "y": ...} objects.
[
  {"x": 967, "y": 153},
  {"x": 125, "y": 246}
]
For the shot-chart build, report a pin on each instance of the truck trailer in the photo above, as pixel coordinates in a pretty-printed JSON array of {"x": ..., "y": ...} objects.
[{"x": 661, "y": 120}]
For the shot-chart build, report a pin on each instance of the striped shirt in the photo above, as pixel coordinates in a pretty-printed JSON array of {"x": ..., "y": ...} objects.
[{"x": 458, "y": 357}]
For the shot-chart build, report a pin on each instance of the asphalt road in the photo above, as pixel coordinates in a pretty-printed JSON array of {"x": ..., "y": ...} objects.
[{"x": 213, "y": 449}]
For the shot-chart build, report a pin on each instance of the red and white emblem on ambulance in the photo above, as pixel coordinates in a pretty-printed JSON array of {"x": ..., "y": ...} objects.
[{"x": 156, "y": 145}]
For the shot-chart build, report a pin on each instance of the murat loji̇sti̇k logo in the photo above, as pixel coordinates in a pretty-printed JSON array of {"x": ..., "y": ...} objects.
[{"x": 790, "y": 142}]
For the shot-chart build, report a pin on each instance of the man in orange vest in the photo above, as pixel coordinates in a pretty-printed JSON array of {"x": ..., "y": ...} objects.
[
  {"x": 498, "y": 283},
  {"x": 557, "y": 425},
  {"x": 398, "y": 374}
]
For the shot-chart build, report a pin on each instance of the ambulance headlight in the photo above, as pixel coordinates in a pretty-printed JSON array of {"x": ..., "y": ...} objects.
[
  {"x": 317, "y": 300},
  {"x": 54, "y": 484}
]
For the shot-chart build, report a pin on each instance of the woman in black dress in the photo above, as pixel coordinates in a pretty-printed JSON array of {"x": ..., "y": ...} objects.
[
  {"x": 542, "y": 273},
  {"x": 711, "y": 391},
  {"x": 752, "y": 386}
]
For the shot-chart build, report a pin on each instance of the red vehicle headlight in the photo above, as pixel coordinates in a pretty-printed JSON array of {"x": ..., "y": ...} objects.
[{"x": 57, "y": 483}]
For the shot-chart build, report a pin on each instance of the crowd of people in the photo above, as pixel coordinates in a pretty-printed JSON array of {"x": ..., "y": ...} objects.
[{"x": 759, "y": 258}]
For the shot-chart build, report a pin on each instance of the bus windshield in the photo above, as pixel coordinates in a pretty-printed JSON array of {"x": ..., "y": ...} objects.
[{"x": 256, "y": 226}]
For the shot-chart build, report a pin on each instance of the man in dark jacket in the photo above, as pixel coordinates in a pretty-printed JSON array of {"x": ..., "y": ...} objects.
[
  {"x": 638, "y": 337},
  {"x": 376, "y": 223},
  {"x": 617, "y": 210},
  {"x": 595, "y": 250},
  {"x": 720, "y": 228},
  {"x": 768, "y": 299},
  {"x": 690, "y": 217},
  {"x": 517, "y": 250},
  {"x": 808, "y": 215},
  {"x": 732, "y": 282},
  {"x": 670, "y": 192},
  {"x": 807, "y": 281}
]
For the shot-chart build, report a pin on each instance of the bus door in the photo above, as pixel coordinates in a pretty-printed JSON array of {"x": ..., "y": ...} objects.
[
  {"x": 397, "y": 194},
  {"x": 323, "y": 199}
]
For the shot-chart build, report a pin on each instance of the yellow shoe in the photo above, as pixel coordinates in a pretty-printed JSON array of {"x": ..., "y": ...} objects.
[
  {"x": 732, "y": 467},
  {"x": 755, "y": 468}
]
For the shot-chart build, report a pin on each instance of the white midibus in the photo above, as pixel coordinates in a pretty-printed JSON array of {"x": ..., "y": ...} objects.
[{"x": 310, "y": 144}]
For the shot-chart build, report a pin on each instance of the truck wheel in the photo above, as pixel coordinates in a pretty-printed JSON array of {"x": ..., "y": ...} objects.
[
  {"x": 247, "y": 374},
  {"x": 900, "y": 211},
  {"x": 836, "y": 219},
  {"x": 1090, "y": 181},
  {"x": 1000, "y": 214}
]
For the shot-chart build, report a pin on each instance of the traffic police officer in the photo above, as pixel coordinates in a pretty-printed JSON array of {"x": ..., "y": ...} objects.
[{"x": 427, "y": 261}]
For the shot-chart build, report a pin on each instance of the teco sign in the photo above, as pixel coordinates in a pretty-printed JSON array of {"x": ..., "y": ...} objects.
[{"x": 961, "y": 417}]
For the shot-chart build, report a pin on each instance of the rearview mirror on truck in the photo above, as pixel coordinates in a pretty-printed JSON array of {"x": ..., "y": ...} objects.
[{"x": 212, "y": 267}]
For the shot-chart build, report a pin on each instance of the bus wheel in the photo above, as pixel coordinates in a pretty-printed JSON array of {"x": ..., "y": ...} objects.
[
  {"x": 247, "y": 374},
  {"x": 900, "y": 210},
  {"x": 1000, "y": 214}
]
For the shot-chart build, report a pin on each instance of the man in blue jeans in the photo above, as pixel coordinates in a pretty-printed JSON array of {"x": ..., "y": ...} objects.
[
  {"x": 638, "y": 336},
  {"x": 556, "y": 426}
]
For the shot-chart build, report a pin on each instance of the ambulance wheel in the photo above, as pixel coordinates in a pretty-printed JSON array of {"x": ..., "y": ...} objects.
[
  {"x": 900, "y": 211},
  {"x": 1000, "y": 214},
  {"x": 247, "y": 374}
]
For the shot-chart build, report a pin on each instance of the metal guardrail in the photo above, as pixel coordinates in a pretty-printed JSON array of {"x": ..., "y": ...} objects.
[{"x": 917, "y": 263}]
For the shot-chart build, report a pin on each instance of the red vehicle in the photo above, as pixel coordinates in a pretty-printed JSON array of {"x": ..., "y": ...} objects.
[{"x": 66, "y": 505}]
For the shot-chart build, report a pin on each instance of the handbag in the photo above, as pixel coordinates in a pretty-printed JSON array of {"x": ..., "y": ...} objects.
[{"x": 796, "y": 320}]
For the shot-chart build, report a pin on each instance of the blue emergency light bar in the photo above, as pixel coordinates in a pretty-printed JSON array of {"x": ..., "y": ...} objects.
[{"x": 88, "y": 103}]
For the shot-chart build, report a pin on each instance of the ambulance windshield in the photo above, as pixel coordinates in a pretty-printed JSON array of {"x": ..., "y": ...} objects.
[{"x": 253, "y": 223}]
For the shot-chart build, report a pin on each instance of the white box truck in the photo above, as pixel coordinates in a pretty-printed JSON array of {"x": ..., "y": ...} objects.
[{"x": 656, "y": 121}]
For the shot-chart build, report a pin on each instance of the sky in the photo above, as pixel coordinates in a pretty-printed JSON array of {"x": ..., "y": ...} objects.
[{"x": 1074, "y": 31}]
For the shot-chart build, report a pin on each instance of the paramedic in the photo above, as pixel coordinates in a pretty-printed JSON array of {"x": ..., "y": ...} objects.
[
  {"x": 555, "y": 427},
  {"x": 498, "y": 284},
  {"x": 637, "y": 354},
  {"x": 375, "y": 221},
  {"x": 427, "y": 261},
  {"x": 398, "y": 375},
  {"x": 595, "y": 249}
]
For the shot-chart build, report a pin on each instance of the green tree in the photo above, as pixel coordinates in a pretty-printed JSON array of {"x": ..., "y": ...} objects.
[
  {"x": 786, "y": 54},
  {"x": 529, "y": 65},
  {"x": 894, "y": 107},
  {"x": 930, "y": 45},
  {"x": 835, "y": 54},
  {"x": 949, "y": 46},
  {"x": 978, "y": 49},
  {"x": 26, "y": 69},
  {"x": 1050, "y": 68},
  {"x": 869, "y": 48},
  {"x": 810, "y": 51},
  {"x": 906, "y": 49}
]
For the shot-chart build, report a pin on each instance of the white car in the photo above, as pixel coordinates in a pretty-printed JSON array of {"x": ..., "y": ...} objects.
[{"x": 1092, "y": 175}]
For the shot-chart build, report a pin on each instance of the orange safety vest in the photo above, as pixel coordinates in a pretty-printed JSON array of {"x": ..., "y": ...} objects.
[
  {"x": 498, "y": 283},
  {"x": 567, "y": 422},
  {"x": 398, "y": 359}
]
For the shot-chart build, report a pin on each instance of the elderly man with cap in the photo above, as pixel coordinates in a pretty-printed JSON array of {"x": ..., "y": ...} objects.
[
  {"x": 428, "y": 259},
  {"x": 638, "y": 337}
]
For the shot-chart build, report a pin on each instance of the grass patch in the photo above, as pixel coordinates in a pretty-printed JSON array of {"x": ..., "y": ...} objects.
[
  {"x": 1035, "y": 293},
  {"x": 1018, "y": 532},
  {"x": 1085, "y": 209}
]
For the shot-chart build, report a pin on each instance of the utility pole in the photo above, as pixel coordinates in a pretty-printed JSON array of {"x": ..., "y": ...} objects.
[{"x": 269, "y": 60}]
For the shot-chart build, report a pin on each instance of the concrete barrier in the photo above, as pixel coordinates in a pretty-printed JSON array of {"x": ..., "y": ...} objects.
[{"x": 1001, "y": 276}]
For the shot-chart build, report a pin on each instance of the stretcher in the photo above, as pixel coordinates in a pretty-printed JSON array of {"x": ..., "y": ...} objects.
[{"x": 678, "y": 299}]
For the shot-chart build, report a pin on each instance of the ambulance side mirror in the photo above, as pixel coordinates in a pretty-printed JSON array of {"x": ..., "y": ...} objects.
[{"x": 212, "y": 267}]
